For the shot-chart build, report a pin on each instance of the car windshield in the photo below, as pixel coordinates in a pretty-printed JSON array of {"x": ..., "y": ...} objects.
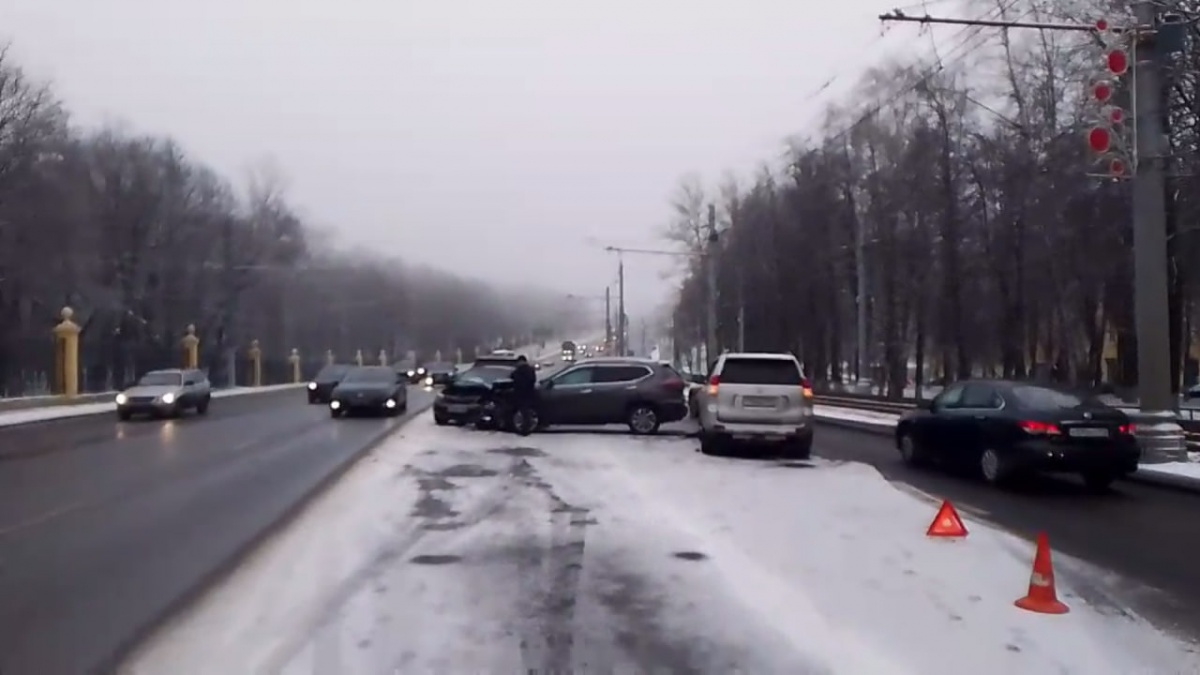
[
  {"x": 331, "y": 373},
  {"x": 760, "y": 371},
  {"x": 375, "y": 374},
  {"x": 161, "y": 379},
  {"x": 1045, "y": 398},
  {"x": 485, "y": 374},
  {"x": 439, "y": 367}
]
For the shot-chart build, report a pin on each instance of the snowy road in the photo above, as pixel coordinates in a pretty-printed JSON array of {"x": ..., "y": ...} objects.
[{"x": 452, "y": 551}]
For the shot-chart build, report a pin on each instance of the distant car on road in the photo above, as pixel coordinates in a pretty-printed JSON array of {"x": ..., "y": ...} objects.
[
  {"x": 377, "y": 389},
  {"x": 321, "y": 387},
  {"x": 438, "y": 373},
  {"x": 1003, "y": 430},
  {"x": 640, "y": 393},
  {"x": 166, "y": 393},
  {"x": 755, "y": 398}
]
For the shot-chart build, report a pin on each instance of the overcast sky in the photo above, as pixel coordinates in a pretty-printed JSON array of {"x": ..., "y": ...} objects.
[{"x": 506, "y": 139}]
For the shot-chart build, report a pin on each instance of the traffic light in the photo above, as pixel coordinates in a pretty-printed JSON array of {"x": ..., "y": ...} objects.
[{"x": 1106, "y": 138}]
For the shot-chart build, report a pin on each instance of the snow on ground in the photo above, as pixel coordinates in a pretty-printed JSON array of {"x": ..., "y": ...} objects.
[
  {"x": 448, "y": 550},
  {"x": 54, "y": 412}
]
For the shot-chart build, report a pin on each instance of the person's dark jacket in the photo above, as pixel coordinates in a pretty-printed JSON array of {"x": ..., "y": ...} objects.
[{"x": 524, "y": 379}]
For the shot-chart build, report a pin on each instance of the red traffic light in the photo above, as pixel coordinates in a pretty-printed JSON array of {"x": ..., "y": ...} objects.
[
  {"x": 1102, "y": 92},
  {"x": 1100, "y": 139},
  {"x": 1116, "y": 115},
  {"x": 1118, "y": 62},
  {"x": 1116, "y": 167},
  {"x": 1102, "y": 25}
]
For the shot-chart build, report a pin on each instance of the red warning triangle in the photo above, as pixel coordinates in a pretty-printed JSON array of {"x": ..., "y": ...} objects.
[{"x": 947, "y": 523}]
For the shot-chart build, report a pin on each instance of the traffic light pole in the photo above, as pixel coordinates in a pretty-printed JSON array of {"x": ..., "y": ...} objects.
[
  {"x": 711, "y": 347},
  {"x": 1158, "y": 431}
]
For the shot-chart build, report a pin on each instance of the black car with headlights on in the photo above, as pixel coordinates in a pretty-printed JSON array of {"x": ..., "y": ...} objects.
[
  {"x": 471, "y": 397},
  {"x": 371, "y": 389},
  {"x": 438, "y": 373},
  {"x": 1002, "y": 430},
  {"x": 321, "y": 387}
]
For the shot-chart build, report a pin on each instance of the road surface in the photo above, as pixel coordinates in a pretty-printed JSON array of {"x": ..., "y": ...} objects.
[
  {"x": 105, "y": 526},
  {"x": 1148, "y": 535}
]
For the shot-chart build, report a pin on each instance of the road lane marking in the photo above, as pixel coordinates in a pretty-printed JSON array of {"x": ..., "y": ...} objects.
[{"x": 42, "y": 518}]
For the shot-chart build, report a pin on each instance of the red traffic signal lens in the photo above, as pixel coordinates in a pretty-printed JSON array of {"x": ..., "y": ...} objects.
[
  {"x": 1118, "y": 62},
  {"x": 1102, "y": 25},
  {"x": 1102, "y": 91},
  {"x": 1116, "y": 116},
  {"x": 1100, "y": 139},
  {"x": 1116, "y": 167}
]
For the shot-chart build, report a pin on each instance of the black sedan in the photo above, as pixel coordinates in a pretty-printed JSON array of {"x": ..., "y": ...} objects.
[
  {"x": 472, "y": 395},
  {"x": 371, "y": 389},
  {"x": 321, "y": 387},
  {"x": 1002, "y": 430}
]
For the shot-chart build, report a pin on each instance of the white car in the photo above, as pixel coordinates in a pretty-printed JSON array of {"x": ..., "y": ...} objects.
[{"x": 756, "y": 398}]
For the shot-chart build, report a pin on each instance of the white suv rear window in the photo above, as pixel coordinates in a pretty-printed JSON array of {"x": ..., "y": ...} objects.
[{"x": 760, "y": 371}]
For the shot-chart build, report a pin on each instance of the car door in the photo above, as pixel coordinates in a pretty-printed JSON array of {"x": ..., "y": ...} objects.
[
  {"x": 616, "y": 387},
  {"x": 564, "y": 398},
  {"x": 973, "y": 421},
  {"x": 933, "y": 431}
]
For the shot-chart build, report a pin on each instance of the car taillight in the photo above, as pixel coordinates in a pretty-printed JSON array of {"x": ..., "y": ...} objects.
[
  {"x": 806, "y": 387},
  {"x": 674, "y": 385},
  {"x": 713, "y": 383},
  {"x": 1128, "y": 429},
  {"x": 1041, "y": 428}
]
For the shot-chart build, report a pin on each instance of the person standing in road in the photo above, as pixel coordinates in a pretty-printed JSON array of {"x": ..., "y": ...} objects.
[{"x": 525, "y": 394}]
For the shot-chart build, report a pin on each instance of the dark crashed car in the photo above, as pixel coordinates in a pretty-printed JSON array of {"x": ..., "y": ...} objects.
[
  {"x": 472, "y": 394},
  {"x": 321, "y": 387},
  {"x": 370, "y": 389}
]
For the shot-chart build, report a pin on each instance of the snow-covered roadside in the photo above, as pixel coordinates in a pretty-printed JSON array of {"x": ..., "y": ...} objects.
[
  {"x": 454, "y": 551},
  {"x": 42, "y": 414},
  {"x": 1187, "y": 471}
]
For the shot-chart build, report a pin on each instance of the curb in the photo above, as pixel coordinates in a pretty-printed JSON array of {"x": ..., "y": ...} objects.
[
  {"x": 1159, "y": 480},
  {"x": 223, "y": 570}
]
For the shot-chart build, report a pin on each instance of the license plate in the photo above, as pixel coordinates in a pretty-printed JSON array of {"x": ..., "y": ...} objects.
[
  {"x": 1089, "y": 432},
  {"x": 458, "y": 409},
  {"x": 759, "y": 402}
]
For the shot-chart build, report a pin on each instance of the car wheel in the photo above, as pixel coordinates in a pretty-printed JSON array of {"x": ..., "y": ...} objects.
[
  {"x": 643, "y": 420},
  {"x": 124, "y": 415},
  {"x": 335, "y": 414},
  {"x": 910, "y": 452},
  {"x": 1098, "y": 481},
  {"x": 441, "y": 421},
  {"x": 524, "y": 421},
  {"x": 993, "y": 467},
  {"x": 202, "y": 406},
  {"x": 711, "y": 445},
  {"x": 798, "y": 448}
]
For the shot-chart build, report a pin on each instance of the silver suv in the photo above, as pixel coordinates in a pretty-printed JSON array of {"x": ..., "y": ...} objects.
[
  {"x": 166, "y": 393},
  {"x": 756, "y": 398}
]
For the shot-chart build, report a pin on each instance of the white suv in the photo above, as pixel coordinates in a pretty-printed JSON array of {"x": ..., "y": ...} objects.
[{"x": 756, "y": 398}]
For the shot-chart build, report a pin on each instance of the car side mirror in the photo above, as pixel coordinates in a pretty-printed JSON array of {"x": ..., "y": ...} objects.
[
  {"x": 931, "y": 405},
  {"x": 547, "y": 384},
  {"x": 189, "y": 383}
]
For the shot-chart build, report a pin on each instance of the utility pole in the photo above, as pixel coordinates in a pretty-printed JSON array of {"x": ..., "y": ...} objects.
[
  {"x": 620, "y": 305},
  {"x": 710, "y": 268},
  {"x": 1158, "y": 431},
  {"x": 608, "y": 336},
  {"x": 860, "y": 299},
  {"x": 741, "y": 320}
]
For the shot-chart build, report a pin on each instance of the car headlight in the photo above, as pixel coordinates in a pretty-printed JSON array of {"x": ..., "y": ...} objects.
[
  {"x": 411, "y": 373},
  {"x": 390, "y": 403},
  {"x": 429, "y": 382},
  {"x": 334, "y": 405},
  {"x": 420, "y": 371},
  {"x": 168, "y": 398},
  {"x": 122, "y": 399},
  {"x": 312, "y": 386}
]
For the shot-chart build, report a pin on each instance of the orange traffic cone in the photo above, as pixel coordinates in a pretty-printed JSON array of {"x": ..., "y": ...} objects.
[
  {"x": 946, "y": 523},
  {"x": 1042, "y": 597}
]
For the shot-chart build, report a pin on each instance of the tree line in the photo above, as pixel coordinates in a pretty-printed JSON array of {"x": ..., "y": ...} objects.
[
  {"x": 142, "y": 240},
  {"x": 990, "y": 240}
]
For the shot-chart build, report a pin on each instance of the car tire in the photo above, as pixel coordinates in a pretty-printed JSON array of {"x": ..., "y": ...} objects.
[
  {"x": 994, "y": 468},
  {"x": 335, "y": 414},
  {"x": 1098, "y": 481},
  {"x": 798, "y": 448},
  {"x": 643, "y": 419},
  {"x": 441, "y": 421},
  {"x": 911, "y": 453},
  {"x": 711, "y": 445},
  {"x": 124, "y": 415},
  {"x": 202, "y": 406}
]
